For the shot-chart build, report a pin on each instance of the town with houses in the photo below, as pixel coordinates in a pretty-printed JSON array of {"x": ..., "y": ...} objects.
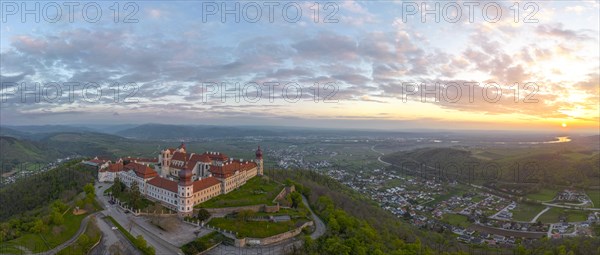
[
  {"x": 487, "y": 218},
  {"x": 432, "y": 203}
]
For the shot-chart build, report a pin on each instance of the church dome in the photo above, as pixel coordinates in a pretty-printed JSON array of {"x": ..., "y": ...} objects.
[
  {"x": 259, "y": 153},
  {"x": 185, "y": 176}
]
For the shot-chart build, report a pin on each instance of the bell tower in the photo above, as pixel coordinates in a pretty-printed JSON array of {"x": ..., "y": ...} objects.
[
  {"x": 186, "y": 191},
  {"x": 259, "y": 161}
]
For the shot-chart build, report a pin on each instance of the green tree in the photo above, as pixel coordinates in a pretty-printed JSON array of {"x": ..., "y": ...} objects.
[
  {"x": 296, "y": 199},
  {"x": 135, "y": 194},
  {"x": 57, "y": 218},
  {"x": 117, "y": 187},
  {"x": 140, "y": 241},
  {"x": 39, "y": 226},
  {"x": 59, "y": 206},
  {"x": 334, "y": 246},
  {"x": 80, "y": 203},
  {"x": 203, "y": 214},
  {"x": 89, "y": 189}
]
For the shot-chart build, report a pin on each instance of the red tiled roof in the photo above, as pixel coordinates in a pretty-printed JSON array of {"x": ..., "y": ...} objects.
[
  {"x": 180, "y": 156},
  {"x": 118, "y": 167},
  {"x": 216, "y": 156},
  {"x": 190, "y": 165},
  {"x": 230, "y": 167},
  {"x": 163, "y": 183},
  {"x": 194, "y": 159},
  {"x": 140, "y": 170},
  {"x": 205, "y": 183},
  {"x": 200, "y": 157}
]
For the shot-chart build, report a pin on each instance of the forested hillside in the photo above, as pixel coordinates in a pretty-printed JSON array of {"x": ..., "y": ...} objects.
[
  {"x": 14, "y": 152},
  {"x": 39, "y": 190}
]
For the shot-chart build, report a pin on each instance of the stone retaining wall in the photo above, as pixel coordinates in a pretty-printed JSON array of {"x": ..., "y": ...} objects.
[
  {"x": 272, "y": 239},
  {"x": 254, "y": 208},
  {"x": 284, "y": 192}
]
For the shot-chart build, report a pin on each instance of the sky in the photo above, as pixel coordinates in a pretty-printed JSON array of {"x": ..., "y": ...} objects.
[{"x": 485, "y": 65}]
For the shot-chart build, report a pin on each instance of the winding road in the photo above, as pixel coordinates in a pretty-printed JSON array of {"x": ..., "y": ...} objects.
[
  {"x": 80, "y": 231},
  {"x": 379, "y": 158},
  {"x": 134, "y": 227},
  {"x": 539, "y": 214},
  {"x": 319, "y": 225}
]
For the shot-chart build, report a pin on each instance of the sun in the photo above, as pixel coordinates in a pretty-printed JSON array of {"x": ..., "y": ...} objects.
[{"x": 564, "y": 125}]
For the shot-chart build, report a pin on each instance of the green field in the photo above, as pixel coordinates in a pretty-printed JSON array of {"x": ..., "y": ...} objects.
[
  {"x": 477, "y": 198},
  {"x": 543, "y": 195},
  {"x": 551, "y": 216},
  {"x": 257, "y": 229},
  {"x": 595, "y": 197},
  {"x": 257, "y": 190},
  {"x": 457, "y": 190},
  {"x": 456, "y": 220},
  {"x": 526, "y": 211}
]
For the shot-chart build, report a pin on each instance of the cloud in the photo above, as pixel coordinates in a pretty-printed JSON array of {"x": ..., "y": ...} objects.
[
  {"x": 557, "y": 30},
  {"x": 368, "y": 60}
]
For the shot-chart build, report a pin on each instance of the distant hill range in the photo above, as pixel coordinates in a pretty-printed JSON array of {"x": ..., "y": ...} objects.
[
  {"x": 14, "y": 149},
  {"x": 18, "y": 148},
  {"x": 184, "y": 132}
]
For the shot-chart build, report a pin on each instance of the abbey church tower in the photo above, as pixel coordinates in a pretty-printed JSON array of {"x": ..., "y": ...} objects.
[{"x": 259, "y": 161}]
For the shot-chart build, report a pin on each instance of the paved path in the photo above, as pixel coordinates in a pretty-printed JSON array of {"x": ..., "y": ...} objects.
[
  {"x": 80, "y": 231},
  {"x": 129, "y": 222},
  {"x": 319, "y": 225},
  {"x": 379, "y": 158},
  {"x": 540, "y": 214},
  {"x": 572, "y": 207},
  {"x": 111, "y": 238}
]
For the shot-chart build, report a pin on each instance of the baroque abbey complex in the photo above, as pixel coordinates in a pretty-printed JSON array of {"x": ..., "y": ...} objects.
[{"x": 178, "y": 179}]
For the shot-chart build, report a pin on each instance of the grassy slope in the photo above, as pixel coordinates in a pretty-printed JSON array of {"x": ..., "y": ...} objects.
[
  {"x": 36, "y": 243},
  {"x": 255, "y": 191}
]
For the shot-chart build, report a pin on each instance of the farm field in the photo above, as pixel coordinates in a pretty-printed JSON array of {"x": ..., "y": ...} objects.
[
  {"x": 526, "y": 211},
  {"x": 543, "y": 195},
  {"x": 595, "y": 197},
  {"x": 552, "y": 215}
]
